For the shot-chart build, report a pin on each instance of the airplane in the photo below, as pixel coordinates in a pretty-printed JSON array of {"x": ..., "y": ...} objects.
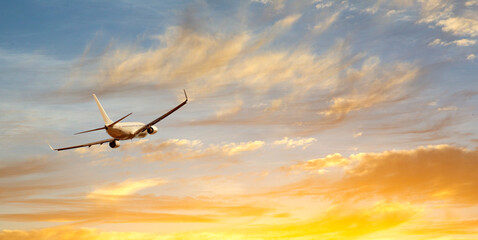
[{"x": 122, "y": 130}]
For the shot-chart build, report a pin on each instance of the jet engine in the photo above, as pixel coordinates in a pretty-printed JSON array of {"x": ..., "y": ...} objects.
[
  {"x": 114, "y": 144},
  {"x": 152, "y": 130}
]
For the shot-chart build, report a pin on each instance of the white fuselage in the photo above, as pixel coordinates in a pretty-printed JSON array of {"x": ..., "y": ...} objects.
[{"x": 126, "y": 130}]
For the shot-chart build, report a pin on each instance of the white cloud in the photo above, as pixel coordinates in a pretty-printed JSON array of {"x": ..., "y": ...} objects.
[
  {"x": 277, "y": 4},
  {"x": 465, "y": 42},
  {"x": 471, "y": 57},
  {"x": 460, "y": 26},
  {"x": 322, "y": 5},
  {"x": 449, "y": 108},
  {"x": 324, "y": 25},
  {"x": 435, "y": 10},
  {"x": 471, "y": 3},
  {"x": 393, "y": 12},
  {"x": 262, "y": 1},
  {"x": 293, "y": 143},
  {"x": 436, "y": 42},
  {"x": 233, "y": 148},
  {"x": 356, "y": 135},
  {"x": 461, "y": 42}
]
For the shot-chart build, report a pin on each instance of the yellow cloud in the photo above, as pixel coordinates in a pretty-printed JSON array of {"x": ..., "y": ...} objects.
[
  {"x": 317, "y": 165},
  {"x": 127, "y": 187},
  {"x": 345, "y": 222},
  {"x": 232, "y": 148},
  {"x": 338, "y": 222}
]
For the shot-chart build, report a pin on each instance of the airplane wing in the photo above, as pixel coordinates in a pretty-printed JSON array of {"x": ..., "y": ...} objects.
[
  {"x": 162, "y": 117},
  {"x": 83, "y": 145}
]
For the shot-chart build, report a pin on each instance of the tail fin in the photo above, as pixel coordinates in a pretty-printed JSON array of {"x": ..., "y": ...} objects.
[{"x": 103, "y": 113}]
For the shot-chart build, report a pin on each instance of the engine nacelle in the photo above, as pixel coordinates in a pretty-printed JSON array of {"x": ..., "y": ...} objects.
[
  {"x": 152, "y": 130},
  {"x": 115, "y": 144}
]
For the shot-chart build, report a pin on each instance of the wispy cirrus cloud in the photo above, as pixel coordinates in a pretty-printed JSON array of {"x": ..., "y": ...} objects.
[
  {"x": 184, "y": 149},
  {"x": 23, "y": 167},
  {"x": 126, "y": 187}
]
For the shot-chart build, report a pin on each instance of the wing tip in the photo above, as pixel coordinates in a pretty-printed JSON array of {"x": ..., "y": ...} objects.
[
  {"x": 51, "y": 147},
  {"x": 185, "y": 95}
]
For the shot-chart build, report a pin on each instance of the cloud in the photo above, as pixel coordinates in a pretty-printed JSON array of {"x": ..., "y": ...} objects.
[
  {"x": 288, "y": 21},
  {"x": 256, "y": 81},
  {"x": 321, "y": 4},
  {"x": 471, "y": 57},
  {"x": 431, "y": 173},
  {"x": 448, "y": 108},
  {"x": 460, "y": 26},
  {"x": 356, "y": 135},
  {"x": 318, "y": 165},
  {"x": 104, "y": 216},
  {"x": 298, "y": 142},
  {"x": 29, "y": 176},
  {"x": 461, "y": 42},
  {"x": 185, "y": 149},
  {"x": 338, "y": 222},
  {"x": 127, "y": 187},
  {"x": 471, "y": 3},
  {"x": 230, "y": 110},
  {"x": 440, "y": 173},
  {"x": 276, "y": 4},
  {"x": 185, "y": 57},
  {"x": 135, "y": 208},
  {"x": 30, "y": 187},
  {"x": 465, "y": 42},
  {"x": 434, "y": 10},
  {"x": 324, "y": 25},
  {"x": 34, "y": 165},
  {"x": 370, "y": 86},
  {"x": 446, "y": 228},
  {"x": 345, "y": 222},
  {"x": 233, "y": 148}
]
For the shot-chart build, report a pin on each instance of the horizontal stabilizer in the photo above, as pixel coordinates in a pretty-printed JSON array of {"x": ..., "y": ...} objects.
[
  {"x": 92, "y": 130},
  {"x": 119, "y": 120},
  {"x": 105, "y": 127}
]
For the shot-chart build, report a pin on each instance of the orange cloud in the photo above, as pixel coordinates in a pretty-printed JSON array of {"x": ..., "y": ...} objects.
[
  {"x": 427, "y": 173},
  {"x": 22, "y": 167},
  {"x": 104, "y": 215},
  {"x": 430, "y": 173},
  {"x": 135, "y": 208}
]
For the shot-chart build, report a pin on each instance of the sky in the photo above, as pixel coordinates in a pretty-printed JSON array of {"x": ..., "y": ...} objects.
[{"x": 309, "y": 119}]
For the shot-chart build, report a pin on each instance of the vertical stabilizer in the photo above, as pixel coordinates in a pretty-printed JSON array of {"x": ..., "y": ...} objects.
[{"x": 103, "y": 113}]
